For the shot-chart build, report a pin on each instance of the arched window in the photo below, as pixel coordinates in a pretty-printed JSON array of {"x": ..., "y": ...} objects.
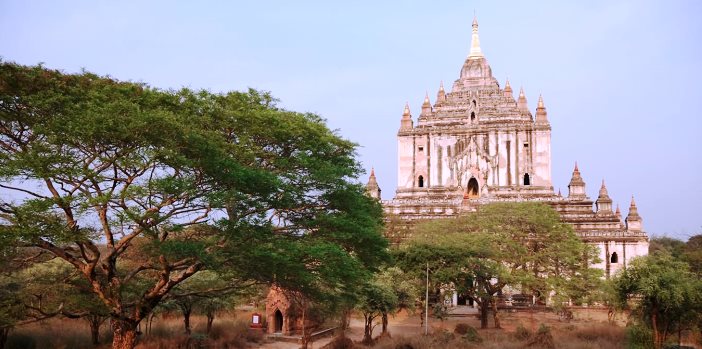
[
  {"x": 473, "y": 189},
  {"x": 420, "y": 182},
  {"x": 474, "y": 104},
  {"x": 527, "y": 180},
  {"x": 615, "y": 258},
  {"x": 472, "y": 116}
]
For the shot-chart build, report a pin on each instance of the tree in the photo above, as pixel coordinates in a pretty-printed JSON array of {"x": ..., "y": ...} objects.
[
  {"x": 405, "y": 289},
  {"x": 376, "y": 299},
  {"x": 524, "y": 245},
  {"x": 663, "y": 293},
  {"x": 692, "y": 253},
  {"x": 139, "y": 189},
  {"x": 665, "y": 244}
]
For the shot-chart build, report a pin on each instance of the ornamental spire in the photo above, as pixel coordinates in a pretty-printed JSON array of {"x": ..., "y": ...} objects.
[
  {"x": 372, "y": 188},
  {"x": 406, "y": 122},
  {"x": 633, "y": 220},
  {"x": 541, "y": 111},
  {"x": 441, "y": 95},
  {"x": 475, "y": 51},
  {"x": 576, "y": 187},
  {"x": 508, "y": 89},
  {"x": 522, "y": 102},
  {"x": 604, "y": 203},
  {"x": 426, "y": 106}
]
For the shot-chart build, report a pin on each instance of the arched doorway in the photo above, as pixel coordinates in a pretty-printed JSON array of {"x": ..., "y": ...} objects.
[
  {"x": 473, "y": 189},
  {"x": 420, "y": 182},
  {"x": 527, "y": 180},
  {"x": 615, "y": 258},
  {"x": 278, "y": 321}
]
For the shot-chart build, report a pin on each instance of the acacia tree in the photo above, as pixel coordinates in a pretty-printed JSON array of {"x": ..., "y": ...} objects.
[
  {"x": 662, "y": 292},
  {"x": 187, "y": 181},
  {"x": 376, "y": 299},
  {"x": 524, "y": 245}
]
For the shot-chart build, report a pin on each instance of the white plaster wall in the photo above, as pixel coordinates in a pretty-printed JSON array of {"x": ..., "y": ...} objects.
[
  {"x": 542, "y": 158},
  {"x": 405, "y": 150}
]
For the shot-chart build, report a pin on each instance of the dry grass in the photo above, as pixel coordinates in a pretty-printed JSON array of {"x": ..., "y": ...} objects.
[{"x": 228, "y": 331}]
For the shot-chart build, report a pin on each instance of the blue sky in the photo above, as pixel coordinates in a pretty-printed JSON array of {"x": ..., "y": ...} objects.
[{"x": 620, "y": 79}]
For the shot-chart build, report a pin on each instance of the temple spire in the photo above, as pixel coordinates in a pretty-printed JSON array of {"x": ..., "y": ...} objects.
[
  {"x": 441, "y": 95},
  {"x": 406, "y": 121},
  {"x": 508, "y": 90},
  {"x": 576, "y": 187},
  {"x": 426, "y": 106},
  {"x": 372, "y": 188},
  {"x": 633, "y": 220},
  {"x": 541, "y": 111},
  {"x": 475, "y": 51},
  {"x": 604, "y": 203},
  {"x": 522, "y": 102}
]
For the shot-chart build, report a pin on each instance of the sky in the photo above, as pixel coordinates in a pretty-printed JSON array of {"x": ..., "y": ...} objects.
[{"x": 620, "y": 79}]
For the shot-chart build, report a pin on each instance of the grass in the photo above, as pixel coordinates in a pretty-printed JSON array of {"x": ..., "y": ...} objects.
[{"x": 228, "y": 331}]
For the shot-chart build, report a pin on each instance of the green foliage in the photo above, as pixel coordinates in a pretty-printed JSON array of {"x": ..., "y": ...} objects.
[
  {"x": 139, "y": 189},
  {"x": 692, "y": 253},
  {"x": 664, "y": 244},
  {"x": 519, "y": 244},
  {"x": 663, "y": 293},
  {"x": 639, "y": 337},
  {"x": 522, "y": 333}
]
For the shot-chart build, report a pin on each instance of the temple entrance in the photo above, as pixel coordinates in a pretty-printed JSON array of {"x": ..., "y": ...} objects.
[
  {"x": 473, "y": 189},
  {"x": 278, "y": 321}
]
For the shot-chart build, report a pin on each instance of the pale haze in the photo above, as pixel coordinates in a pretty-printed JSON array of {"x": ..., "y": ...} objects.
[{"x": 620, "y": 79}]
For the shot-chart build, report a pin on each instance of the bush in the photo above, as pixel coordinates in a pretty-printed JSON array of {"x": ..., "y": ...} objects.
[
  {"x": 461, "y": 328},
  {"x": 340, "y": 342},
  {"x": 522, "y": 333},
  {"x": 472, "y": 335},
  {"x": 543, "y": 338},
  {"x": 639, "y": 337}
]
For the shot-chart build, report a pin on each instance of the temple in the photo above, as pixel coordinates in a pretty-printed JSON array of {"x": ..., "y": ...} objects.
[{"x": 476, "y": 144}]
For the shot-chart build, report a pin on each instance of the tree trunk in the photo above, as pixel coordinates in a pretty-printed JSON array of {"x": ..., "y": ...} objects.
[
  {"x": 95, "y": 321},
  {"x": 345, "y": 320},
  {"x": 210, "y": 319},
  {"x": 4, "y": 332},
  {"x": 368, "y": 330},
  {"x": 186, "y": 321},
  {"x": 494, "y": 314},
  {"x": 124, "y": 334},
  {"x": 483, "y": 314},
  {"x": 150, "y": 322},
  {"x": 654, "y": 326},
  {"x": 385, "y": 324}
]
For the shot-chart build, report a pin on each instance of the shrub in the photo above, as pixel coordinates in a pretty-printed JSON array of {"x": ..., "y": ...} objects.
[
  {"x": 461, "y": 328},
  {"x": 543, "y": 338},
  {"x": 472, "y": 335},
  {"x": 340, "y": 342},
  {"x": 639, "y": 337},
  {"x": 522, "y": 333}
]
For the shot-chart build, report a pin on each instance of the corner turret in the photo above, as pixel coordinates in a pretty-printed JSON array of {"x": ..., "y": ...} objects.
[
  {"x": 372, "y": 188},
  {"x": 406, "y": 122},
  {"x": 426, "y": 107},
  {"x": 541, "y": 112},
  {"x": 633, "y": 220},
  {"x": 576, "y": 187},
  {"x": 522, "y": 102},
  {"x": 508, "y": 90},
  {"x": 603, "y": 203}
]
